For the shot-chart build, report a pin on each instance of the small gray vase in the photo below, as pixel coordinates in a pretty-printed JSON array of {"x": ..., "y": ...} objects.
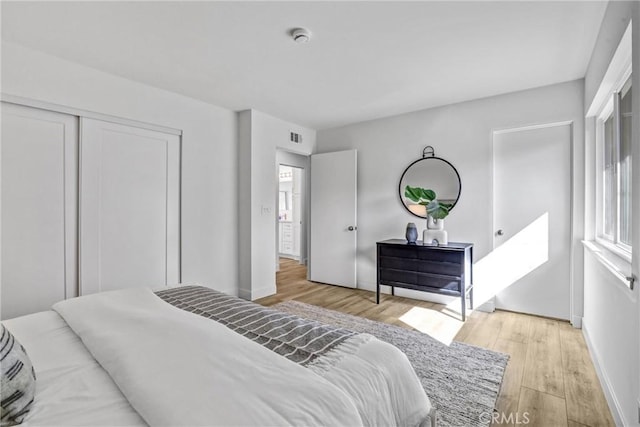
[{"x": 411, "y": 233}]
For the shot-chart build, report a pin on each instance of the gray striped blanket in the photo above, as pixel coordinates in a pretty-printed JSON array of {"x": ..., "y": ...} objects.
[{"x": 298, "y": 339}]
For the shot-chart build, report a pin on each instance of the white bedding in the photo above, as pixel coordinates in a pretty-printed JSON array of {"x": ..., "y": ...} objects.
[
  {"x": 384, "y": 387},
  {"x": 72, "y": 389},
  {"x": 177, "y": 368}
]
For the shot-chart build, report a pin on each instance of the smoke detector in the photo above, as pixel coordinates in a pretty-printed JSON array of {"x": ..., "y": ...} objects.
[{"x": 301, "y": 35}]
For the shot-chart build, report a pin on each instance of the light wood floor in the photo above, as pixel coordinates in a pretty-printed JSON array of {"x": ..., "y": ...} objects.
[{"x": 549, "y": 381}]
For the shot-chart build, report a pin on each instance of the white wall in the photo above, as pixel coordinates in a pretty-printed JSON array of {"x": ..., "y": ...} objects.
[
  {"x": 260, "y": 135},
  {"x": 611, "y": 321},
  {"x": 462, "y": 134},
  {"x": 209, "y": 152},
  {"x": 610, "y": 326}
]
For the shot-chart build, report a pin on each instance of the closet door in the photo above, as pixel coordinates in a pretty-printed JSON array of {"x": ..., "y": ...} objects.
[
  {"x": 129, "y": 207},
  {"x": 39, "y": 220}
]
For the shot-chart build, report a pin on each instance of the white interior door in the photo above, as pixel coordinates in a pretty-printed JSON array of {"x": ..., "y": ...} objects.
[
  {"x": 532, "y": 219},
  {"x": 39, "y": 223},
  {"x": 333, "y": 218},
  {"x": 129, "y": 207}
]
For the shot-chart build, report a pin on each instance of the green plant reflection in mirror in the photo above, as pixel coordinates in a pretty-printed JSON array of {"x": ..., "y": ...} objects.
[{"x": 428, "y": 199}]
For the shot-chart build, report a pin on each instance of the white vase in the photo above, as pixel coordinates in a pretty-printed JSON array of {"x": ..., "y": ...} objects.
[
  {"x": 435, "y": 234},
  {"x": 435, "y": 224}
]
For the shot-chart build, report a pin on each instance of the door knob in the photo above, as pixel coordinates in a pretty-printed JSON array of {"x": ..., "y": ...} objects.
[
  {"x": 500, "y": 232},
  {"x": 352, "y": 228}
]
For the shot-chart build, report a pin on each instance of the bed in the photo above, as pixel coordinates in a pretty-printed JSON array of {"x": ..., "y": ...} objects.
[{"x": 194, "y": 356}]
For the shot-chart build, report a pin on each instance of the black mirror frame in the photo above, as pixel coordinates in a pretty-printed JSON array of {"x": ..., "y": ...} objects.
[{"x": 400, "y": 191}]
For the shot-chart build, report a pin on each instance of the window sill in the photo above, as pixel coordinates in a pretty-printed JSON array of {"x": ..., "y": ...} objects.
[
  {"x": 613, "y": 249},
  {"x": 619, "y": 266}
]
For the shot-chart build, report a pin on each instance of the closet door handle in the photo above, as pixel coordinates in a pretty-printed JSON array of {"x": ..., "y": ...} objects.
[{"x": 352, "y": 228}]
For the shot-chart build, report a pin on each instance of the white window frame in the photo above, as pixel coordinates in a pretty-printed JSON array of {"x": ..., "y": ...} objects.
[{"x": 610, "y": 107}]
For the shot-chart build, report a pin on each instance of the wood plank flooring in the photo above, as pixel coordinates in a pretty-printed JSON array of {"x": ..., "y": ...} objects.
[{"x": 549, "y": 381}]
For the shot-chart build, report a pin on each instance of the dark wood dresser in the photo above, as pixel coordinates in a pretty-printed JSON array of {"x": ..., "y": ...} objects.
[{"x": 444, "y": 269}]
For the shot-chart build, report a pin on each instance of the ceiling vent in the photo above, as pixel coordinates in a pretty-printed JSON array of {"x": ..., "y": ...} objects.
[{"x": 295, "y": 137}]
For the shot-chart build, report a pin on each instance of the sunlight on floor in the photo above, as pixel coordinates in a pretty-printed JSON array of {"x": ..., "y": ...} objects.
[
  {"x": 514, "y": 259},
  {"x": 504, "y": 266},
  {"x": 442, "y": 326}
]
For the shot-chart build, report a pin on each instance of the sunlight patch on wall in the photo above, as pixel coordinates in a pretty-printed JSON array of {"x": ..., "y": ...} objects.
[{"x": 514, "y": 259}]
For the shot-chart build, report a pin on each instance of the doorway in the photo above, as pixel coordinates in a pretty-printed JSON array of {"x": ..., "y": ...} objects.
[
  {"x": 292, "y": 208},
  {"x": 290, "y": 212}
]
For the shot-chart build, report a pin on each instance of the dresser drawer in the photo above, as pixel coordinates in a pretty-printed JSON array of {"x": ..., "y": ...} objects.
[
  {"x": 399, "y": 251},
  {"x": 398, "y": 276},
  {"x": 443, "y": 268},
  {"x": 391, "y": 276},
  {"x": 421, "y": 266},
  {"x": 399, "y": 263},
  {"x": 441, "y": 256},
  {"x": 443, "y": 282}
]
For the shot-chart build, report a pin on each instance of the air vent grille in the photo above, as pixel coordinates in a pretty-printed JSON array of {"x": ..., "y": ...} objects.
[{"x": 295, "y": 137}]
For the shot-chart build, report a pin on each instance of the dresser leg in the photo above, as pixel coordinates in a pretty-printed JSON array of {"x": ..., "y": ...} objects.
[
  {"x": 464, "y": 307},
  {"x": 471, "y": 299},
  {"x": 378, "y": 294},
  {"x": 393, "y": 290}
]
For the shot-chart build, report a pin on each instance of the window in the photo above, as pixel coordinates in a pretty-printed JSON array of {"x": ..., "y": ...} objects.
[
  {"x": 624, "y": 159},
  {"x": 614, "y": 142}
]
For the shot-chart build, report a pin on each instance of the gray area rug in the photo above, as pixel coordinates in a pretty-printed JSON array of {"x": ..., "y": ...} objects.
[{"x": 461, "y": 380}]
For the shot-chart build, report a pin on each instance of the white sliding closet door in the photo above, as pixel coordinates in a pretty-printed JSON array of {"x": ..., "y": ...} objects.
[
  {"x": 39, "y": 221},
  {"x": 129, "y": 207}
]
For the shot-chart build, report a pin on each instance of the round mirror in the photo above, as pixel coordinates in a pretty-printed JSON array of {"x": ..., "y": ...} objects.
[{"x": 432, "y": 173}]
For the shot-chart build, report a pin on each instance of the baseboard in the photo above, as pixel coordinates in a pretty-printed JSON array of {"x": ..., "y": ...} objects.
[
  {"x": 254, "y": 294},
  {"x": 614, "y": 405},
  {"x": 244, "y": 294},
  {"x": 487, "y": 307},
  {"x": 576, "y": 322},
  {"x": 263, "y": 292}
]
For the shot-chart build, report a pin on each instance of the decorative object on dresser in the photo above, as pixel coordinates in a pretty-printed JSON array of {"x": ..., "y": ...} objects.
[
  {"x": 429, "y": 188},
  {"x": 443, "y": 269},
  {"x": 435, "y": 234},
  {"x": 412, "y": 233},
  {"x": 436, "y": 213}
]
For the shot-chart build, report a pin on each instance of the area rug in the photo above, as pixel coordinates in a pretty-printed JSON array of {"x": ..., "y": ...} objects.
[{"x": 461, "y": 380}]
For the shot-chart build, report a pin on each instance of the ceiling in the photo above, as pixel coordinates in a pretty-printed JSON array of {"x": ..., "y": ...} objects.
[{"x": 365, "y": 60}]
